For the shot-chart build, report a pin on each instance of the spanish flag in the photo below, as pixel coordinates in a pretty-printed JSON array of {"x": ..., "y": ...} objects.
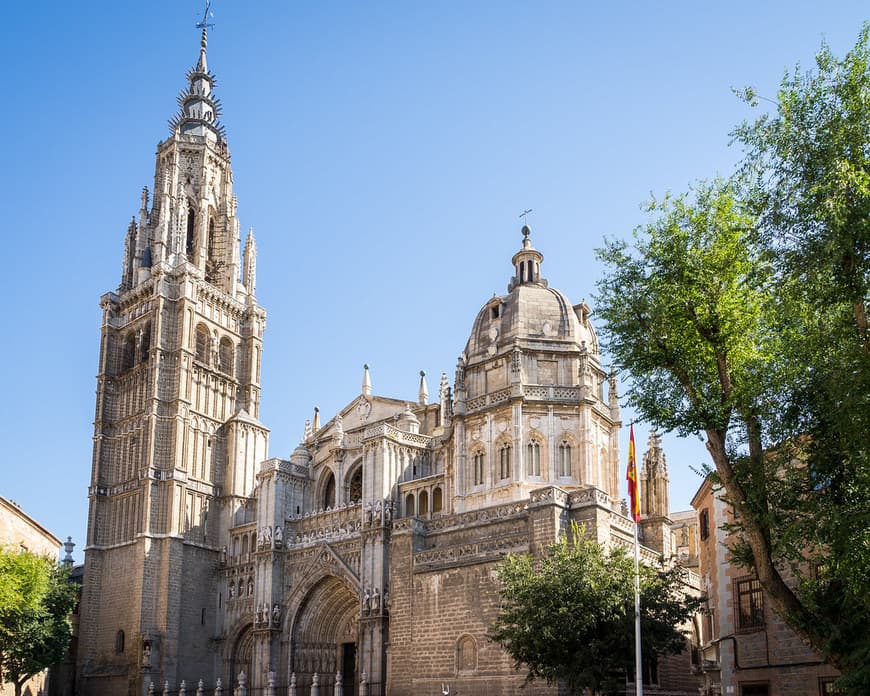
[{"x": 631, "y": 477}]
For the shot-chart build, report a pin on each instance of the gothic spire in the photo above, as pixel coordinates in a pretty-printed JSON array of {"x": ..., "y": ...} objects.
[
  {"x": 200, "y": 110},
  {"x": 423, "y": 391},
  {"x": 367, "y": 382},
  {"x": 249, "y": 272}
]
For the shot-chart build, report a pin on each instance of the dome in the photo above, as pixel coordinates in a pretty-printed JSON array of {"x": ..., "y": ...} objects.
[{"x": 530, "y": 312}]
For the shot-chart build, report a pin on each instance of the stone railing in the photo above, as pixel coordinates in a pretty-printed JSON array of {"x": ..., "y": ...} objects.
[
  {"x": 474, "y": 552},
  {"x": 314, "y": 527},
  {"x": 537, "y": 392},
  {"x": 477, "y": 517},
  {"x": 400, "y": 436}
]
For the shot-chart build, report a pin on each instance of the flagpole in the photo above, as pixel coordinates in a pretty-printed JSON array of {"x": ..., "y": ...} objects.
[
  {"x": 631, "y": 476},
  {"x": 638, "y": 673}
]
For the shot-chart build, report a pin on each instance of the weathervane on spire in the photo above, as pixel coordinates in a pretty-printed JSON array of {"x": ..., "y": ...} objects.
[
  {"x": 524, "y": 215},
  {"x": 205, "y": 24}
]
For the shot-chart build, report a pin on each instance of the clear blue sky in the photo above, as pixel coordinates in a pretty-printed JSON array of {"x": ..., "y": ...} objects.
[{"x": 381, "y": 151}]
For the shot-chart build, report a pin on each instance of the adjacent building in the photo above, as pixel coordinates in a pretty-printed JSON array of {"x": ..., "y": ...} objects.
[
  {"x": 747, "y": 650},
  {"x": 19, "y": 531}
]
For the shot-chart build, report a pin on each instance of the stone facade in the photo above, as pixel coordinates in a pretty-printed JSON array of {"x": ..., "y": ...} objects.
[
  {"x": 747, "y": 650},
  {"x": 365, "y": 560}
]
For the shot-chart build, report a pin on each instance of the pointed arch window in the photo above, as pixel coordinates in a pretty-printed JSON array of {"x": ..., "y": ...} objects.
[
  {"x": 145, "y": 344},
  {"x": 202, "y": 342},
  {"x": 355, "y": 488},
  {"x": 504, "y": 461},
  {"x": 533, "y": 454},
  {"x": 565, "y": 458},
  {"x": 477, "y": 464},
  {"x": 128, "y": 353},
  {"x": 329, "y": 492},
  {"x": 227, "y": 356},
  {"x": 190, "y": 244}
]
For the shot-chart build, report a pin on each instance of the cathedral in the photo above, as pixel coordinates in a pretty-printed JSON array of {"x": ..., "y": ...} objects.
[{"x": 365, "y": 562}]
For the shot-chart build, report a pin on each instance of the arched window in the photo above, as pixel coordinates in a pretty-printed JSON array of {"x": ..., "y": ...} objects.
[
  {"x": 190, "y": 245},
  {"x": 423, "y": 504},
  {"x": 466, "y": 654},
  {"x": 504, "y": 461},
  {"x": 202, "y": 342},
  {"x": 145, "y": 344},
  {"x": 355, "y": 489},
  {"x": 128, "y": 353},
  {"x": 329, "y": 492},
  {"x": 119, "y": 642},
  {"x": 409, "y": 505},
  {"x": 437, "y": 500},
  {"x": 211, "y": 241},
  {"x": 565, "y": 458},
  {"x": 227, "y": 356},
  {"x": 533, "y": 454},
  {"x": 477, "y": 460}
]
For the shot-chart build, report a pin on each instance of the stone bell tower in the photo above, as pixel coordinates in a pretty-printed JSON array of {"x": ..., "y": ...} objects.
[{"x": 176, "y": 435}]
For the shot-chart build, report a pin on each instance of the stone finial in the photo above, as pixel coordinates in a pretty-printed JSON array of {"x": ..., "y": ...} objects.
[
  {"x": 366, "y": 382},
  {"x": 182, "y": 688},
  {"x": 307, "y": 432},
  {"x": 249, "y": 272},
  {"x": 68, "y": 547},
  {"x": 338, "y": 690},
  {"x": 316, "y": 419},
  {"x": 200, "y": 688},
  {"x": 423, "y": 392},
  {"x": 166, "y": 688}
]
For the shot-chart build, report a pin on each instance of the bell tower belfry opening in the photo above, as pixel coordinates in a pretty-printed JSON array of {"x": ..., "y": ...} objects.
[{"x": 176, "y": 435}]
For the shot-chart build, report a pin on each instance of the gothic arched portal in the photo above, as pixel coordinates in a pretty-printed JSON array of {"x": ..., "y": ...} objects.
[
  {"x": 325, "y": 634},
  {"x": 240, "y": 660}
]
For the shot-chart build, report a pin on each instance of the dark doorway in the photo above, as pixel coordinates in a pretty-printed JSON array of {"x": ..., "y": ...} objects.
[{"x": 348, "y": 669}]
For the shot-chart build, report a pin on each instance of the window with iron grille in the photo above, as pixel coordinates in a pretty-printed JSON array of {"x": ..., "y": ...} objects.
[{"x": 750, "y": 603}]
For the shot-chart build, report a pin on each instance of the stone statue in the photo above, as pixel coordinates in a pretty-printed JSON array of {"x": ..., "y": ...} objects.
[
  {"x": 376, "y": 601},
  {"x": 259, "y": 613},
  {"x": 267, "y": 535},
  {"x": 276, "y": 613},
  {"x": 279, "y": 537},
  {"x": 367, "y": 599},
  {"x": 250, "y": 586},
  {"x": 232, "y": 589}
]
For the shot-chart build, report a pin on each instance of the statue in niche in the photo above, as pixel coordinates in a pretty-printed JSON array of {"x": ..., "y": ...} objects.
[
  {"x": 267, "y": 536},
  {"x": 376, "y": 601},
  {"x": 250, "y": 587},
  {"x": 367, "y": 598},
  {"x": 276, "y": 613},
  {"x": 279, "y": 537},
  {"x": 232, "y": 590}
]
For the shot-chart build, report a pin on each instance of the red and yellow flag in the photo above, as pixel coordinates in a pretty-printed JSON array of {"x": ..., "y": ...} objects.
[{"x": 631, "y": 477}]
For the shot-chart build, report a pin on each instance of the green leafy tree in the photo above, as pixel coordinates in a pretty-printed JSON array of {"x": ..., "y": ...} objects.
[
  {"x": 722, "y": 338},
  {"x": 569, "y": 616},
  {"x": 35, "y": 606}
]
